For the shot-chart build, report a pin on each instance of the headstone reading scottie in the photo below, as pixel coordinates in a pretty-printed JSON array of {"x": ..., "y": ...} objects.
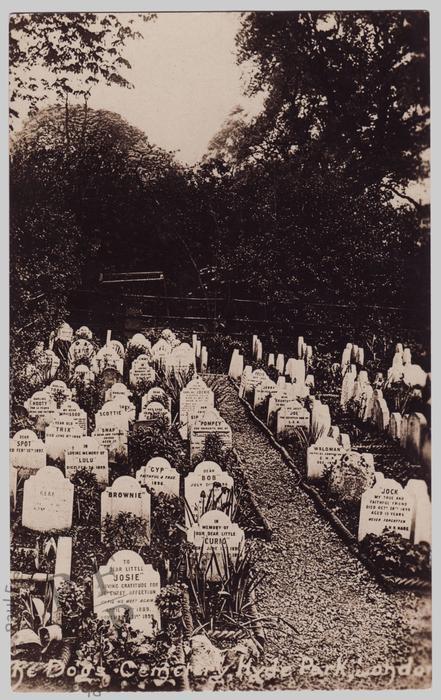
[
  {"x": 141, "y": 371},
  {"x": 159, "y": 475},
  {"x": 27, "y": 453},
  {"x": 207, "y": 488},
  {"x": 42, "y": 408},
  {"x": 126, "y": 495},
  {"x": 59, "y": 433},
  {"x": 125, "y": 583},
  {"x": 210, "y": 423},
  {"x": 87, "y": 453},
  {"x": 219, "y": 540},
  {"x": 322, "y": 455},
  {"x": 113, "y": 412},
  {"x": 385, "y": 505},
  {"x": 47, "y": 501},
  {"x": 290, "y": 417}
]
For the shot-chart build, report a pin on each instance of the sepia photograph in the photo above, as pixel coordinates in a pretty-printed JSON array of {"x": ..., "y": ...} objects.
[{"x": 219, "y": 351}]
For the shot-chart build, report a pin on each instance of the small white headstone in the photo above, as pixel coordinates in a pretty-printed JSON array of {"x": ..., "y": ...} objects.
[
  {"x": 126, "y": 495},
  {"x": 59, "y": 433},
  {"x": 322, "y": 454},
  {"x": 27, "y": 453},
  {"x": 47, "y": 501},
  {"x": 385, "y": 505},
  {"x": 206, "y": 488},
  {"x": 87, "y": 453},
  {"x": 159, "y": 475},
  {"x": 218, "y": 538}
]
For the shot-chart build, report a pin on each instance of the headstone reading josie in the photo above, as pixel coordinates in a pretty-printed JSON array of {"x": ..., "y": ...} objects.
[
  {"x": 27, "y": 453},
  {"x": 87, "y": 453},
  {"x": 159, "y": 476},
  {"x": 207, "y": 488},
  {"x": 385, "y": 505},
  {"x": 127, "y": 584},
  {"x": 126, "y": 495},
  {"x": 47, "y": 501},
  {"x": 217, "y": 539}
]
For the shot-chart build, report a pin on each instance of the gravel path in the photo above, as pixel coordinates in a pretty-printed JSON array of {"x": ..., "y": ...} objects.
[{"x": 317, "y": 586}]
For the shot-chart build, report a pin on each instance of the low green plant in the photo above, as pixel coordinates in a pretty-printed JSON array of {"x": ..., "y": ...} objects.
[{"x": 395, "y": 555}]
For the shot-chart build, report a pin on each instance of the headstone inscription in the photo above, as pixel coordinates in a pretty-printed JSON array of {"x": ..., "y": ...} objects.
[
  {"x": 59, "y": 433},
  {"x": 217, "y": 539},
  {"x": 87, "y": 453},
  {"x": 208, "y": 487},
  {"x": 27, "y": 453},
  {"x": 126, "y": 495},
  {"x": 385, "y": 505},
  {"x": 159, "y": 475},
  {"x": 47, "y": 501}
]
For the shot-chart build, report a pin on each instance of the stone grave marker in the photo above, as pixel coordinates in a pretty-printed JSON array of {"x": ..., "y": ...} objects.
[
  {"x": 320, "y": 419},
  {"x": 160, "y": 476},
  {"x": 421, "y": 511},
  {"x": 280, "y": 363},
  {"x": 126, "y": 495},
  {"x": 87, "y": 453},
  {"x": 155, "y": 411},
  {"x": 236, "y": 365},
  {"x": 416, "y": 425},
  {"x": 107, "y": 358},
  {"x": 27, "y": 453},
  {"x": 263, "y": 391},
  {"x": 257, "y": 377},
  {"x": 127, "y": 584},
  {"x": 72, "y": 410},
  {"x": 84, "y": 332},
  {"x": 347, "y": 387},
  {"x": 42, "y": 408},
  {"x": 381, "y": 414},
  {"x": 117, "y": 391},
  {"x": 290, "y": 417},
  {"x": 276, "y": 401},
  {"x": 244, "y": 379},
  {"x": 216, "y": 537},
  {"x": 141, "y": 371},
  {"x": 156, "y": 394},
  {"x": 59, "y": 433},
  {"x": 58, "y": 391},
  {"x": 65, "y": 333},
  {"x": 385, "y": 505},
  {"x": 47, "y": 501},
  {"x": 296, "y": 370},
  {"x": 80, "y": 350},
  {"x": 322, "y": 454},
  {"x": 192, "y": 396},
  {"x": 211, "y": 422},
  {"x": 113, "y": 412},
  {"x": 271, "y": 360},
  {"x": 181, "y": 359},
  {"x": 395, "y": 426},
  {"x": 84, "y": 374},
  {"x": 118, "y": 347},
  {"x": 207, "y": 488},
  {"x": 13, "y": 486},
  {"x": 114, "y": 438},
  {"x": 140, "y": 341},
  {"x": 160, "y": 351}
]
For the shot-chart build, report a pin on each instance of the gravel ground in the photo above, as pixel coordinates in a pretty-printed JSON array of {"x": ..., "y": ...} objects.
[{"x": 316, "y": 586}]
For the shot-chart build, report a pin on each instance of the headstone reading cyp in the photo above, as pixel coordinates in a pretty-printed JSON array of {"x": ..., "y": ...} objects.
[{"x": 159, "y": 475}]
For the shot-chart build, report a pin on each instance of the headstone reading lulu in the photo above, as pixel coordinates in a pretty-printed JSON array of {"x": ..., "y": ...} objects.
[
  {"x": 27, "y": 453},
  {"x": 126, "y": 495},
  {"x": 159, "y": 475},
  {"x": 87, "y": 453},
  {"x": 127, "y": 584},
  {"x": 207, "y": 488},
  {"x": 47, "y": 501}
]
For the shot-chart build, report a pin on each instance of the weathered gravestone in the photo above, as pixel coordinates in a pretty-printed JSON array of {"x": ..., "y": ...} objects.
[
  {"x": 65, "y": 332},
  {"x": 87, "y": 453},
  {"x": 114, "y": 438},
  {"x": 216, "y": 538},
  {"x": 155, "y": 412},
  {"x": 126, "y": 495},
  {"x": 181, "y": 359},
  {"x": 380, "y": 414},
  {"x": 160, "y": 351},
  {"x": 42, "y": 408},
  {"x": 127, "y": 584},
  {"x": 58, "y": 391},
  {"x": 207, "y": 488},
  {"x": 139, "y": 341},
  {"x": 156, "y": 394},
  {"x": 27, "y": 453},
  {"x": 421, "y": 511},
  {"x": 47, "y": 501},
  {"x": 117, "y": 391},
  {"x": 322, "y": 455},
  {"x": 347, "y": 386},
  {"x": 416, "y": 426},
  {"x": 236, "y": 365},
  {"x": 395, "y": 426},
  {"x": 320, "y": 419},
  {"x": 116, "y": 413},
  {"x": 257, "y": 377},
  {"x": 13, "y": 486},
  {"x": 275, "y": 403},
  {"x": 118, "y": 347},
  {"x": 296, "y": 370},
  {"x": 264, "y": 391},
  {"x": 47, "y": 364},
  {"x": 79, "y": 351},
  {"x": 280, "y": 363},
  {"x": 72, "y": 410},
  {"x": 245, "y": 378},
  {"x": 385, "y": 505},
  {"x": 84, "y": 332},
  {"x": 196, "y": 394},
  {"x": 59, "y": 433},
  {"x": 84, "y": 374},
  {"x": 291, "y": 417},
  {"x": 141, "y": 371},
  {"x": 107, "y": 358},
  {"x": 160, "y": 476},
  {"x": 210, "y": 423}
]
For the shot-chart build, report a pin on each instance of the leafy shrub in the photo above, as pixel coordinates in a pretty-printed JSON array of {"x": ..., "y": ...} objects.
[
  {"x": 349, "y": 477},
  {"x": 395, "y": 555},
  {"x": 124, "y": 531},
  {"x": 87, "y": 497},
  {"x": 155, "y": 440}
]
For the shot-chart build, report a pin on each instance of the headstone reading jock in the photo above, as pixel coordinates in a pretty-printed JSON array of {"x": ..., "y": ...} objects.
[{"x": 385, "y": 505}]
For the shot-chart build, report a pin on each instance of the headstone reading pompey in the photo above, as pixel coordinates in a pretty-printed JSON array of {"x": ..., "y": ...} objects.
[
  {"x": 210, "y": 423},
  {"x": 321, "y": 455},
  {"x": 87, "y": 453},
  {"x": 127, "y": 584},
  {"x": 27, "y": 453},
  {"x": 217, "y": 538},
  {"x": 159, "y": 475},
  {"x": 385, "y": 505},
  {"x": 126, "y": 495},
  {"x": 59, "y": 433},
  {"x": 47, "y": 501},
  {"x": 207, "y": 488}
]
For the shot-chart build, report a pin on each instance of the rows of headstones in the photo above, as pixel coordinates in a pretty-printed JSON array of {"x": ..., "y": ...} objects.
[
  {"x": 384, "y": 502},
  {"x": 61, "y": 435}
]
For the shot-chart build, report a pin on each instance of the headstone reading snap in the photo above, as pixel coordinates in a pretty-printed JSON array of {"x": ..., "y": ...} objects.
[
  {"x": 321, "y": 455},
  {"x": 141, "y": 371},
  {"x": 290, "y": 417},
  {"x": 385, "y": 505},
  {"x": 207, "y": 488},
  {"x": 87, "y": 453},
  {"x": 127, "y": 584},
  {"x": 27, "y": 453},
  {"x": 218, "y": 539},
  {"x": 42, "y": 408},
  {"x": 59, "y": 433},
  {"x": 126, "y": 495},
  {"x": 114, "y": 438},
  {"x": 47, "y": 501},
  {"x": 159, "y": 475},
  {"x": 210, "y": 423}
]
